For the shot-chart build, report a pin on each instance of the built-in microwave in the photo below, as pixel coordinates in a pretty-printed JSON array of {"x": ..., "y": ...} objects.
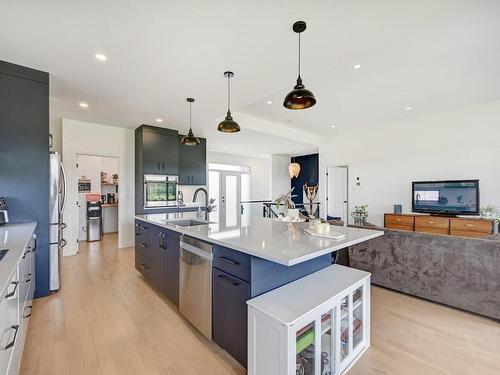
[{"x": 160, "y": 191}]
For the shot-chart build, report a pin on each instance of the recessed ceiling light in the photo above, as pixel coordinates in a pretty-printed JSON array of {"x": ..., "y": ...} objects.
[
  {"x": 212, "y": 149},
  {"x": 83, "y": 105},
  {"x": 269, "y": 102},
  {"x": 408, "y": 108},
  {"x": 333, "y": 126},
  {"x": 357, "y": 66},
  {"x": 100, "y": 57},
  {"x": 159, "y": 120}
]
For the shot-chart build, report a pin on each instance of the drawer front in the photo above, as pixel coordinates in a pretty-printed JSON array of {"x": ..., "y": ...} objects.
[
  {"x": 143, "y": 248},
  {"x": 142, "y": 233},
  {"x": 9, "y": 323},
  {"x": 143, "y": 264},
  {"x": 399, "y": 220},
  {"x": 24, "y": 276},
  {"x": 233, "y": 262},
  {"x": 399, "y": 227},
  {"x": 432, "y": 224},
  {"x": 474, "y": 228}
]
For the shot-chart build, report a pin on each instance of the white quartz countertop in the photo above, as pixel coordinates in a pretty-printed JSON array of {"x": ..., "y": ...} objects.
[
  {"x": 283, "y": 243},
  {"x": 14, "y": 237}
]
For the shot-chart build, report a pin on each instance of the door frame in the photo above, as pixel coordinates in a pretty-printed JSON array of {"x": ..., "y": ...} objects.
[{"x": 346, "y": 221}]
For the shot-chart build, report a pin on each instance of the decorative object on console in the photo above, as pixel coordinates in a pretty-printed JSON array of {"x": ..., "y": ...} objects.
[
  {"x": 299, "y": 97},
  {"x": 360, "y": 214},
  {"x": 491, "y": 213},
  {"x": 228, "y": 125},
  {"x": 190, "y": 139},
  {"x": 311, "y": 190},
  {"x": 398, "y": 209},
  {"x": 286, "y": 201}
]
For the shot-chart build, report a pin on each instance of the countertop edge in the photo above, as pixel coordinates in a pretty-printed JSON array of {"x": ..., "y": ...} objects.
[{"x": 289, "y": 263}]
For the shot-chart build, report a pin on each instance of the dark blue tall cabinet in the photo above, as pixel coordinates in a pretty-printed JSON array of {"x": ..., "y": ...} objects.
[{"x": 24, "y": 155}]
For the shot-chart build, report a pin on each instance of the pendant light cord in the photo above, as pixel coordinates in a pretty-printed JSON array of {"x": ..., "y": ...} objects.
[
  {"x": 299, "y": 55},
  {"x": 228, "y": 94},
  {"x": 190, "y": 115}
]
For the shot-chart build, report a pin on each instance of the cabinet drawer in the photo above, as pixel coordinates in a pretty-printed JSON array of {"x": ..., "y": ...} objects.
[
  {"x": 402, "y": 222},
  {"x": 142, "y": 233},
  {"x": 143, "y": 264},
  {"x": 230, "y": 314},
  {"x": 470, "y": 228},
  {"x": 143, "y": 248},
  {"x": 233, "y": 262},
  {"x": 439, "y": 225},
  {"x": 9, "y": 322},
  {"x": 24, "y": 276}
]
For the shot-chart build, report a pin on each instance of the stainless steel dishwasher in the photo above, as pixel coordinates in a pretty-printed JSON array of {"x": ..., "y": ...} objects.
[{"x": 195, "y": 294}]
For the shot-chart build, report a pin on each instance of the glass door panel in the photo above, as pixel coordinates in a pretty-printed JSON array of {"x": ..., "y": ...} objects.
[
  {"x": 230, "y": 198},
  {"x": 344, "y": 328},
  {"x": 328, "y": 343},
  {"x": 358, "y": 318},
  {"x": 305, "y": 350}
]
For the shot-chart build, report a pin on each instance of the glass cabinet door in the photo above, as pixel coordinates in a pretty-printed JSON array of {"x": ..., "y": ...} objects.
[
  {"x": 345, "y": 341},
  {"x": 305, "y": 350},
  {"x": 328, "y": 343},
  {"x": 357, "y": 317}
]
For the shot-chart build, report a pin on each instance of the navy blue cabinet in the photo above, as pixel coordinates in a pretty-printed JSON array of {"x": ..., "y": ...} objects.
[
  {"x": 157, "y": 258},
  {"x": 193, "y": 163},
  {"x": 230, "y": 314}
]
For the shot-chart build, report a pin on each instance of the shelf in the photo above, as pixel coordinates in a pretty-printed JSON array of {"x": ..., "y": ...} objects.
[
  {"x": 356, "y": 305},
  {"x": 305, "y": 340},
  {"x": 108, "y": 184}
]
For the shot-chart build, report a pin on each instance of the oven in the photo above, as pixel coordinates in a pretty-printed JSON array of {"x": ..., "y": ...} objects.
[{"x": 160, "y": 191}]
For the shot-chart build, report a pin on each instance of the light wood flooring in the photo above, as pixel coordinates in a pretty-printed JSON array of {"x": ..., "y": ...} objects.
[{"x": 107, "y": 320}]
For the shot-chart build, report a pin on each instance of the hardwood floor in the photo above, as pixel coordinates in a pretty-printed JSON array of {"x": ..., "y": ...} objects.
[{"x": 107, "y": 320}]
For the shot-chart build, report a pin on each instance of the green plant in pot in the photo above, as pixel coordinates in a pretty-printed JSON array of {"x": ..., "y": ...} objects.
[{"x": 360, "y": 214}]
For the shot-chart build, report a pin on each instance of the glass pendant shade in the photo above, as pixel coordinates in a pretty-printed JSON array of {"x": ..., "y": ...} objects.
[
  {"x": 190, "y": 139},
  {"x": 294, "y": 170},
  {"x": 228, "y": 125}
]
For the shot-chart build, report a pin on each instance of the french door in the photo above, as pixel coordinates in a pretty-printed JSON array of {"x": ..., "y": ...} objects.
[{"x": 230, "y": 198}]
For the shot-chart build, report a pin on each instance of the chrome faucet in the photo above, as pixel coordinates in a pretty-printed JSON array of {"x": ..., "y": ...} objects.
[{"x": 206, "y": 200}]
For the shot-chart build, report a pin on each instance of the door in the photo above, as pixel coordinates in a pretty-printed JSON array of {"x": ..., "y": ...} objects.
[
  {"x": 337, "y": 193},
  {"x": 152, "y": 152},
  {"x": 230, "y": 198},
  {"x": 193, "y": 163}
]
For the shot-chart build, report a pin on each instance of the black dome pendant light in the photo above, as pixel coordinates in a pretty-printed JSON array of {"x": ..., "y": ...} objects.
[
  {"x": 299, "y": 97},
  {"x": 190, "y": 139},
  {"x": 228, "y": 125}
]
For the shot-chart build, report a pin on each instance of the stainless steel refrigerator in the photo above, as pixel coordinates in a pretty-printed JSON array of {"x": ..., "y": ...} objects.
[{"x": 56, "y": 208}]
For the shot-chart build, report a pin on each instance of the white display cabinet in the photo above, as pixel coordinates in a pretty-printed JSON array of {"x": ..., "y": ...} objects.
[{"x": 317, "y": 325}]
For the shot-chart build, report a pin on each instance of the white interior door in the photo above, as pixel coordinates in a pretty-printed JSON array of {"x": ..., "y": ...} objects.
[
  {"x": 230, "y": 198},
  {"x": 337, "y": 193}
]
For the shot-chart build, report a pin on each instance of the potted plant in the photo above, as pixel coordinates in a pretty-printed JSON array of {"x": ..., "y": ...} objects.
[
  {"x": 360, "y": 214},
  {"x": 286, "y": 201},
  {"x": 491, "y": 213}
]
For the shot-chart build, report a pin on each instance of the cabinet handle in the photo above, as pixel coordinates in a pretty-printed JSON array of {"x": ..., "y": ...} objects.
[
  {"x": 163, "y": 167},
  {"x": 470, "y": 225},
  {"x": 137, "y": 229},
  {"x": 143, "y": 245},
  {"x": 228, "y": 280},
  {"x": 28, "y": 315},
  {"x": 11, "y": 344},
  {"x": 398, "y": 219},
  {"x": 11, "y": 294},
  {"x": 158, "y": 165},
  {"x": 227, "y": 260},
  {"x": 27, "y": 278},
  {"x": 144, "y": 266},
  {"x": 430, "y": 222}
]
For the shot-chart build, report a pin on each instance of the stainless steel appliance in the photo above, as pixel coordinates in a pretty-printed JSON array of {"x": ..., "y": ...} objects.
[
  {"x": 160, "y": 190},
  {"x": 94, "y": 221},
  {"x": 195, "y": 294},
  {"x": 4, "y": 212},
  {"x": 57, "y": 203}
]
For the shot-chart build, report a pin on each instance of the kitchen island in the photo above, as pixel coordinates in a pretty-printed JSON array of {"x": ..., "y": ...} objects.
[{"x": 249, "y": 256}]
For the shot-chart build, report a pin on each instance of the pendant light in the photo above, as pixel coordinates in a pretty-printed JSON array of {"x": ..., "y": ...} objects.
[
  {"x": 190, "y": 139},
  {"x": 299, "y": 97},
  {"x": 228, "y": 125},
  {"x": 294, "y": 169}
]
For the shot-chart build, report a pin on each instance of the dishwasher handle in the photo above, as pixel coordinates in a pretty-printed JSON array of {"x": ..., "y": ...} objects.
[{"x": 194, "y": 250}]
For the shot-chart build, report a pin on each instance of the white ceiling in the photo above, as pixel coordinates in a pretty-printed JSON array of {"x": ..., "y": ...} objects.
[{"x": 430, "y": 55}]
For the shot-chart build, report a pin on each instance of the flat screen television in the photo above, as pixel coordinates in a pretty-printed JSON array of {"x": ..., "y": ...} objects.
[{"x": 453, "y": 197}]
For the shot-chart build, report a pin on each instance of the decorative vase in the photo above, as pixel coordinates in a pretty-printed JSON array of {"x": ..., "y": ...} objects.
[{"x": 293, "y": 213}]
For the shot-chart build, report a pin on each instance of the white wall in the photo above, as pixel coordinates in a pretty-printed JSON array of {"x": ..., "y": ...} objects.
[
  {"x": 463, "y": 143},
  {"x": 280, "y": 179},
  {"x": 87, "y": 138}
]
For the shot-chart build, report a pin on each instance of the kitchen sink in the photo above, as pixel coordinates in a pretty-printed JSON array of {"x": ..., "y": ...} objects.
[{"x": 187, "y": 223}]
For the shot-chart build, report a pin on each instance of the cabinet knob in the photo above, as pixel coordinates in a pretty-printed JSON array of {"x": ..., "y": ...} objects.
[{"x": 470, "y": 225}]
